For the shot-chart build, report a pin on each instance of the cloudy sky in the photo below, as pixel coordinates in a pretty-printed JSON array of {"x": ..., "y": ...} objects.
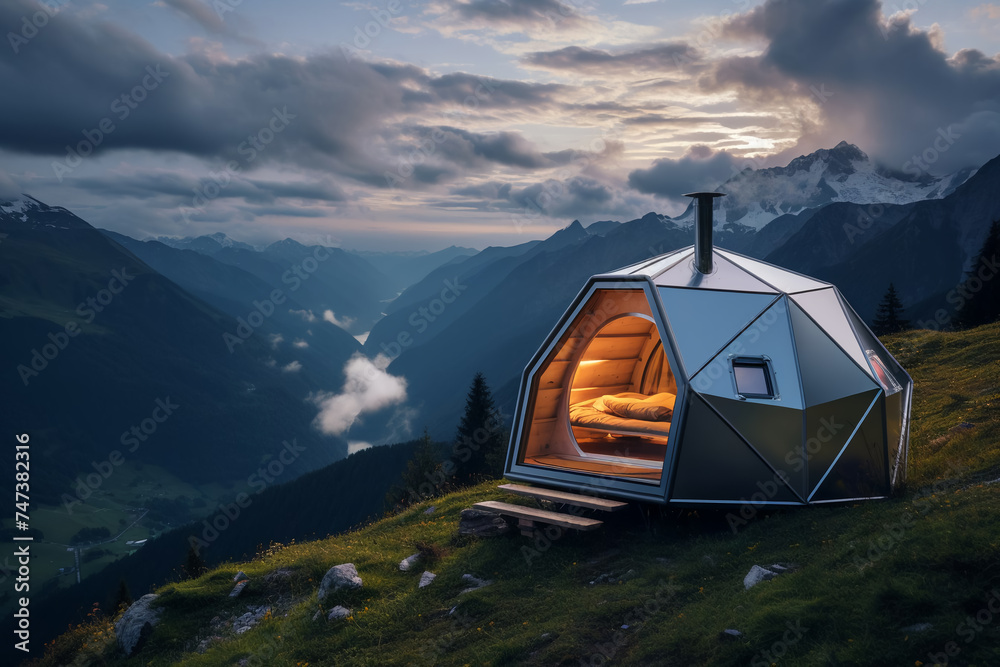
[{"x": 400, "y": 125}]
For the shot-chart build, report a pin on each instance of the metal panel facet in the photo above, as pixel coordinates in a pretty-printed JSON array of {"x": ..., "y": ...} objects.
[
  {"x": 782, "y": 279},
  {"x": 860, "y": 470},
  {"x": 824, "y": 307},
  {"x": 774, "y": 431},
  {"x": 659, "y": 265},
  {"x": 703, "y": 321},
  {"x": 827, "y": 372},
  {"x": 869, "y": 341},
  {"x": 894, "y": 429},
  {"x": 829, "y": 428},
  {"x": 770, "y": 336},
  {"x": 715, "y": 464},
  {"x": 724, "y": 276}
]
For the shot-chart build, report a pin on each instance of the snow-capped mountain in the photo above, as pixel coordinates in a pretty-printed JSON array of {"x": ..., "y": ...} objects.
[
  {"x": 29, "y": 213},
  {"x": 208, "y": 244},
  {"x": 843, "y": 173}
]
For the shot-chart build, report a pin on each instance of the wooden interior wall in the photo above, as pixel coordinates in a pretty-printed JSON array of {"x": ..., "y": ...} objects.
[{"x": 621, "y": 348}]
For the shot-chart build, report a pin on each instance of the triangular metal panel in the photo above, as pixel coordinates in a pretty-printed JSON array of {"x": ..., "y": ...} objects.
[
  {"x": 637, "y": 267},
  {"x": 869, "y": 341},
  {"x": 894, "y": 432},
  {"x": 658, "y": 265},
  {"x": 770, "y": 335},
  {"x": 774, "y": 431},
  {"x": 724, "y": 276},
  {"x": 829, "y": 428},
  {"x": 824, "y": 307},
  {"x": 827, "y": 372},
  {"x": 860, "y": 470},
  {"x": 715, "y": 464},
  {"x": 703, "y": 321},
  {"x": 782, "y": 279}
]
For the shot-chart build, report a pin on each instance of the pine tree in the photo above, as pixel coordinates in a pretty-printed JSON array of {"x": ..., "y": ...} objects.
[
  {"x": 194, "y": 565},
  {"x": 889, "y": 314},
  {"x": 123, "y": 597},
  {"x": 981, "y": 291},
  {"x": 423, "y": 477},
  {"x": 480, "y": 444}
]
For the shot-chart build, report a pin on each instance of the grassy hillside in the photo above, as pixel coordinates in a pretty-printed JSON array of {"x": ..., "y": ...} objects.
[
  {"x": 866, "y": 573},
  {"x": 320, "y": 503}
]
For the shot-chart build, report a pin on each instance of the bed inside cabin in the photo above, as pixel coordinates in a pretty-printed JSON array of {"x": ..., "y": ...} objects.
[{"x": 603, "y": 403}]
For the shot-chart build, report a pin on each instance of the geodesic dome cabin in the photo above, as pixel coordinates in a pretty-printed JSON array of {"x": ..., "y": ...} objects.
[{"x": 704, "y": 376}]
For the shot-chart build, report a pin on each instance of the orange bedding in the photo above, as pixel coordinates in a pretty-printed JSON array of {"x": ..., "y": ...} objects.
[{"x": 587, "y": 414}]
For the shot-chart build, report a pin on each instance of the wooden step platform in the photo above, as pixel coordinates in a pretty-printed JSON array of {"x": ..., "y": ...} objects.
[
  {"x": 527, "y": 516},
  {"x": 564, "y": 497}
]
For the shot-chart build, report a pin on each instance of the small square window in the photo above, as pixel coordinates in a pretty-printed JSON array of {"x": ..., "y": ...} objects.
[{"x": 753, "y": 377}]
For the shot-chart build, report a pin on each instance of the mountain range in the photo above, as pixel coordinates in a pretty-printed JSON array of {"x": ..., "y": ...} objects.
[
  {"x": 512, "y": 297},
  {"x": 95, "y": 339},
  {"x": 438, "y": 317},
  {"x": 844, "y": 173}
]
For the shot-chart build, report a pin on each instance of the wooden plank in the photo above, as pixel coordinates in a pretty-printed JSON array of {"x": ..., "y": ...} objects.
[
  {"x": 542, "y": 516},
  {"x": 594, "y": 466},
  {"x": 547, "y": 403},
  {"x": 590, "y": 502},
  {"x": 616, "y": 348}
]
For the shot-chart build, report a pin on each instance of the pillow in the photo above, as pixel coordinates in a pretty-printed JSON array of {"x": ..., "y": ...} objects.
[
  {"x": 598, "y": 403},
  {"x": 659, "y": 407}
]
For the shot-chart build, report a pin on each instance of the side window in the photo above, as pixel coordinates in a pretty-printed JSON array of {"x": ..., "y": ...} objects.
[
  {"x": 885, "y": 378},
  {"x": 753, "y": 377}
]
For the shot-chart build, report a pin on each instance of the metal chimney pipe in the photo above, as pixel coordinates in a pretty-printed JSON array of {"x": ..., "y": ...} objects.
[{"x": 703, "y": 230}]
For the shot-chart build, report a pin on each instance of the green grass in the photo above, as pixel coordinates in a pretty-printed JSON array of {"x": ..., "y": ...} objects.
[{"x": 866, "y": 571}]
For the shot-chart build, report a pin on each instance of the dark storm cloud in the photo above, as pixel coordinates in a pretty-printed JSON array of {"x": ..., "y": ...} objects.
[
  {"x": 97, "y": 87},
  {"x": 885, "y": 86},
  {"x": 441, "y": 153},
  {"x": 583, "y": 197},
  {"x": 474, "y": 92},
  {"x": 149, "y": 185},
  {"x": 523, "y": 14},
  {"x": 659, "y": 58},
  {"x": 700, "y": 170},
  {"x": 491, "y": 190}
]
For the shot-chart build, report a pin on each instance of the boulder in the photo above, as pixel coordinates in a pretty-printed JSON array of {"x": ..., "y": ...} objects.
[
  {"x": 475, "y": 583},
  {"x": 408, "y": 562},
  {"x": 481, "y": 523},
  {"x": 137, "y": 623},
  {"x": 337, "y": 613},
  {"x": 337, "y": 578},
  {"x": 756, "y": 575},
  {"x": 426, "y": 578}
]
